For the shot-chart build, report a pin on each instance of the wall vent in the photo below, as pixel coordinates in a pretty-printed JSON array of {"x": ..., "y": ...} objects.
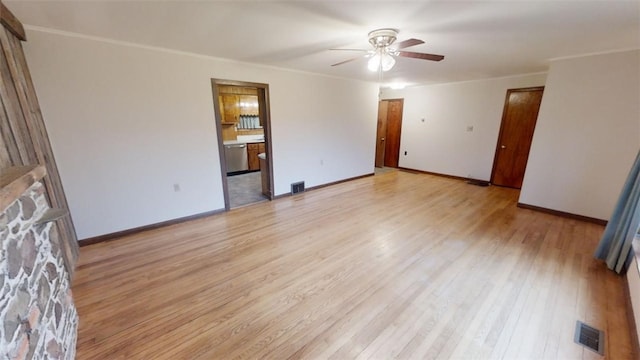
[
  {"x": 589, "y": 337},
  {"x": 297, "y": 187}
]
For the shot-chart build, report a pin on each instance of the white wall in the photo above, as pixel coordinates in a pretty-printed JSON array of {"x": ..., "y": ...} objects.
[
  {"x": 442, "y": 144},
  {"x": 127, "y": 122},
  {"x": 587, "y": 134}
]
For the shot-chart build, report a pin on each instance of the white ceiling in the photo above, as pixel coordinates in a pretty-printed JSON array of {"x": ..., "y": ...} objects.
[{"x": 480, "y": 39}]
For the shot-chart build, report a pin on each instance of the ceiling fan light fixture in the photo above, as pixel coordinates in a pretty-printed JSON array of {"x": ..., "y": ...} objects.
[
  {"x": 374, "y": 63},
  {"x": 382, "y": 56},
  {"x": 384, "y": 61},
  {"x": 382, "y": 38}
]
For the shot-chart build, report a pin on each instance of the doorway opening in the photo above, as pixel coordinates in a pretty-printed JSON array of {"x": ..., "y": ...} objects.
[
  {"x": 388, "y": 133},
  {"x": 243, "y": 124},
  {"x": 519, "y": 118}
]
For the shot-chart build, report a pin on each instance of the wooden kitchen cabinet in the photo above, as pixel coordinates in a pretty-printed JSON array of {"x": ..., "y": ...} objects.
[
  {"x": 233, "y": 102},
  {"x": 253, "y": 149},
  {"x": 229, "y": 108},
  {"x": 248, "y": 104},
  {"x": 236, "y": 101}
]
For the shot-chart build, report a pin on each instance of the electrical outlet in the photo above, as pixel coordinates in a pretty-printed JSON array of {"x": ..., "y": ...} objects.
[{"x": 176, "y": 187}]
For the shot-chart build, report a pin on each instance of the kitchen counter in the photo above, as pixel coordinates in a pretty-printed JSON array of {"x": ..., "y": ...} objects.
[{"x": 251, "y": 139}]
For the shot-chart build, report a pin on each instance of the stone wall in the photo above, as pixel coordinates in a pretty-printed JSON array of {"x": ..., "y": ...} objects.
[{"x": 39, "y": 319}]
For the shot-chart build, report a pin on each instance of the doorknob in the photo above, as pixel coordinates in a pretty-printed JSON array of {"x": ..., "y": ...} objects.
[
  {"x": 381, "y": 139},
  {"x": 503, "y": 147}
]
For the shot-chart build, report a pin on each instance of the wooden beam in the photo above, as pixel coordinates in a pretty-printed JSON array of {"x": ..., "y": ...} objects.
[
  {"x": 16, "y": 180},
  {"x": 12, "y": 23},
  {"x": 24, "y": 133}
]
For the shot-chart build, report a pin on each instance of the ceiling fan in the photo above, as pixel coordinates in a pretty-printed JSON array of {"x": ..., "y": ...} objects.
[{"x": 382, "y": 55}]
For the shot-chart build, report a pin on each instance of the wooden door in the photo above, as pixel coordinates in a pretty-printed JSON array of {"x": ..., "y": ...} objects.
[
  {"x": 516, "y": 132},
  {"x": 388, "y": 133},
  {"x": 394, "y": 127},
  {"x": 382, "y": 132}
]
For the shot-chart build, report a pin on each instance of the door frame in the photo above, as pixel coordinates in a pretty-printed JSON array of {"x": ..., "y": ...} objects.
[
  {"x": 504, "y": 115},
  {"x": 265, "y": 118}
]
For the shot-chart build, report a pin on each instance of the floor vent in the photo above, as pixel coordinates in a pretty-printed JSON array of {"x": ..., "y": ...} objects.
[
  {"x": 297, "y": 187},
  {"x": 591, "y": 338}
]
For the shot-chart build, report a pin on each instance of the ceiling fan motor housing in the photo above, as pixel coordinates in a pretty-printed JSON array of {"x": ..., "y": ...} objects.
[{"x": 382, "y": 38}]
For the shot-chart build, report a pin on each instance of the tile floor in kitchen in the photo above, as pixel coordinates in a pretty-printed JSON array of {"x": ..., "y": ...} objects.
[{"x": 245, "y": 189}]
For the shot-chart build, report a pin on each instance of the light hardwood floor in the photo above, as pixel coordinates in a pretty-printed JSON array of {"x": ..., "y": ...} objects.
[{"x": 398, "y": 265}]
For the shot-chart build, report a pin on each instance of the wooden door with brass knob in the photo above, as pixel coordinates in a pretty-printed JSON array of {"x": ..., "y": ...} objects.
[
  {"x": 388, "y": 133},
  {"x": 516, "y": 133}
]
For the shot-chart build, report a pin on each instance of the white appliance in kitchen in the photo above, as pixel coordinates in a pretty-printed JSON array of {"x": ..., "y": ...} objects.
[{"x": 236, "y": 157}]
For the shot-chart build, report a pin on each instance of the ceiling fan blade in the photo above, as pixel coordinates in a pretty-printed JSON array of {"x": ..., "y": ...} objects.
[
  {"x": 407, "y": 43},
  {"x": 351, "y": 50},
  {"x": 346, "y": 61},
  {"x": 423, "y": 56}
]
